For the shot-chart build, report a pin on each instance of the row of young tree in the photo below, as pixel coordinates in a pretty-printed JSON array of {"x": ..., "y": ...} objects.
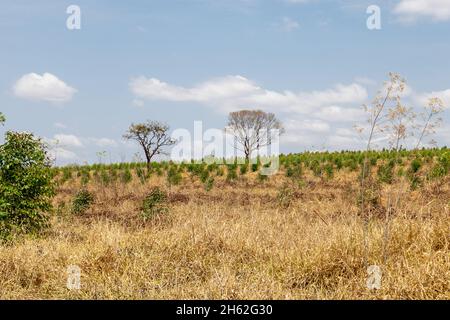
[
  {"x": 252, "y": 130},
  {"x": 26, "y": 175}
]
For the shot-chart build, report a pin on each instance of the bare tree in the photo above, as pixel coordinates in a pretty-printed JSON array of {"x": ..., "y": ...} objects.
[
  {"x": 252, "y": 129},
  {"x": 430, "y": 122},
  {"x": 152, "y": 136}
]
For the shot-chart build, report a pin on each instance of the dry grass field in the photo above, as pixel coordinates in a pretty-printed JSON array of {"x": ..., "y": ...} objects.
[{"x": 246, "y": 239}]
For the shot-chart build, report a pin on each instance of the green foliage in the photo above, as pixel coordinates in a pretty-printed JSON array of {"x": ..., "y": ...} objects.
[
  {"x": 294, "y": 172},
  {"x": 82, "y": 201},
  {"x": 140, "y": 172},
  {"x": 385, "y": 172},
  {"x": 105, "y": 177},
  {"x": 26, "y": 184},
  {"x": 329, "y": 170},
  {"x": 209, "y": 183},
  {"x": 415, "y": 165},
  {"x": 173, "y": 176},
  {"x": 413, "y": 174},
  {"x": 243, "y": 169},
  {"x": 204, "y": 175},
  {"x": 2, "y": 118},
  {"x": 126, "y": 176},
  {"x": 231, "y": 173},
  {"x": 85, "y": 176},
  {"x": 154, "y": 204},
  {"x": 441, "y": 168},
  {"x": 66, "y": 174}
]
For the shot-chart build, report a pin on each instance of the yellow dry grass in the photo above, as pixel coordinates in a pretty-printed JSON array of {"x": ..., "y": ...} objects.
[{"x": 234, "y": 242}]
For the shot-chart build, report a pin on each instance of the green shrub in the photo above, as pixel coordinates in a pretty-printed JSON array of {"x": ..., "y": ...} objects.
[
  {"x": 209, "y": 183},
  {"x": 154, "y": 204},
  {"x": 126, "y": 176},
  {"x": 174, "y": 176},
  {"x": 204, "y": 175},
  {"x": 26, "y": 184},
  {"x": 329, "y": 170},
  {"x": 243, "y": 169},
  {"x": 140, "y": 172},
  {"x": 67, "y": 174},
  {"x": 85, "y": 177},
  {"x": 231, "y": 173},
  {"x": 82, "y": 202},
  {"x": 385, "y": 172}
]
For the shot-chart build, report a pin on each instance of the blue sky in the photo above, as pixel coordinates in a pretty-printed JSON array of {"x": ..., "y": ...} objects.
[{"x": 313, "y": 63}]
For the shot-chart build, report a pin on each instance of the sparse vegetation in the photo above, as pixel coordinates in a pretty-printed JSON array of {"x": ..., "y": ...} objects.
[{"x": 208, "y": 230}]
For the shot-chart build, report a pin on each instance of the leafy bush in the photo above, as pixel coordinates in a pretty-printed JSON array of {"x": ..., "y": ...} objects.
[
  {"x": 154, "y": 204},
  {"x": 204, "y": 175},
  {"x": 243, "y": 169},
  {"x": 231, "y": 173},
  {"x": 26, "y": 184},
  {"x": 82, "y": 202},
  {"x": 174, "y": 176},
  {"x": 386, "y": 172},
  {"x": 329, "y": 170}
]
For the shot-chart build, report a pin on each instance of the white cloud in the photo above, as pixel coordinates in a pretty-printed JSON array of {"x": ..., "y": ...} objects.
[
  {"x": 336, "y": 113},
  {"x": 422, "y": 99},
  {"x": 345, "y": 132},
  {"x": 67, "y": 140},
  {"x": 104, "y": 142},
  {"x": 47, "y": 87},
  {"x": 59, "y": 153},
  {"x": 345, "y": 142},
  {"x": 231, "y": 93},
  {"x": 411, "y": 10},
  {"x": 311, "y": 125}
]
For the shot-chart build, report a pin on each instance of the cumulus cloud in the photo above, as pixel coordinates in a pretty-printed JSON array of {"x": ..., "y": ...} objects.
[
  {"x": 232, "y": 93},
  {"x": 444, "y": 95},
  {"x": 340, "y": 114},
  {"x": 46, "y": 87},
  {"x": 411, "y": 10},
  {"x": 103, "y": 142},
  {"x": 59, "y": 153},
  {"x": 67, "y": 140}
]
